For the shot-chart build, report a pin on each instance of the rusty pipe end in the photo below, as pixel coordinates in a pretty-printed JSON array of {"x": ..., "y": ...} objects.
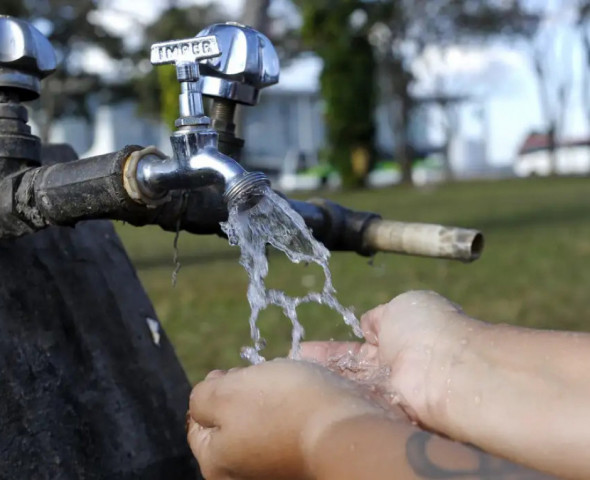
[{"x": 423, "y": 239}]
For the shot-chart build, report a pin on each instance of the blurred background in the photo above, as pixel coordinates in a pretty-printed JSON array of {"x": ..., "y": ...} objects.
[{"x": 473, "y": 113}]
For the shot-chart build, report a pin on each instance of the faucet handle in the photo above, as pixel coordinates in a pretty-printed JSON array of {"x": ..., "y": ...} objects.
[
  {"x": 247, "y": 64},
  {"x": 188, "y": 50},
  {"x": 185, "y": 55},
  {"x": 26, "y": 57}
]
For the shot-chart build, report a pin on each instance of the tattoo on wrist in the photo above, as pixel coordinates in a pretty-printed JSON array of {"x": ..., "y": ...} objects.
[{"x": 488, "y": 466}]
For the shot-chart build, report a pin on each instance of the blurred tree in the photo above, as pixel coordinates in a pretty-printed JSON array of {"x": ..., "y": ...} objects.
[
  {"x": 584, "y": 28},
  {"x": 552, "y": 56},
  {"x": 72, "y": 31},
  {"x": 399, "y": 31},
  {"x": 338, "y": 32},
  {"x": 255, "y": 15},
  {"x": 407, "y": 27}
]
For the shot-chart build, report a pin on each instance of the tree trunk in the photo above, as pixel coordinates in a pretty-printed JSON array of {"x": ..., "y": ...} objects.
[
  {"x": 48, "y": 107},
  {"x": 254, "y": 14},
  {"x": 88, "y": 391},
  {"x": 450, "y": 132},
  {"x": 552, "y": 148},
  {"x": 554, "y": 112},
  {"x": 586, "y": 78},
  {"x": 403, "y": 150}
]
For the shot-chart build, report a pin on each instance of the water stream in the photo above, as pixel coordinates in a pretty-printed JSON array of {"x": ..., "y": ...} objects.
[{"x": 273, "y": 222}]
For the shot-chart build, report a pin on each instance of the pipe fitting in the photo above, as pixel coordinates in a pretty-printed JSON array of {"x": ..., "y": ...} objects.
[{"x": 130, "y": 178}]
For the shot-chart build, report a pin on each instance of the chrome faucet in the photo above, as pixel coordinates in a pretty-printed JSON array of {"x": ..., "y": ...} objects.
[
  {"x": 247, "y": 64},
  {"x": 196, "y": 161}
]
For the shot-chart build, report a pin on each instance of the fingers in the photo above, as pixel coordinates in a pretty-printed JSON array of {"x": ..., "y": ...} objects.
[
  {"x": 204, "y": 404},
  {"x": 203, "y": 444},
  {"x": 215, "y": 374},
  {"x": 402, "y": 306},
  {"x": 194, "y": 437},
  {"x": 425, "y": 299},
  {"x": 207, "y": 398},
  {"x": 327, "y": 352}
]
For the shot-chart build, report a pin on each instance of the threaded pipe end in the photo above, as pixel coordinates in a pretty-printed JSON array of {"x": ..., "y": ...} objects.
[
  {"x": 246, "y": 190},
  {"x": 223, "y": 111}
]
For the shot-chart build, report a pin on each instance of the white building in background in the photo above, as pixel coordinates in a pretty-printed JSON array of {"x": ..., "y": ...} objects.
[
  {"x": 572, "y": 157},
  {"x": 112, "y": 127}
]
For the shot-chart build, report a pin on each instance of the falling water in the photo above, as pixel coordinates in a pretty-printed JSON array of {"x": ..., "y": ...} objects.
[{"x": 273, "y": 222}]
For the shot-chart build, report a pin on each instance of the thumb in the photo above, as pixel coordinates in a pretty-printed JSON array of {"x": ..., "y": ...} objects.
[
  {"x": 202, "y": 443},
  {"x": 371, "y": 324}
]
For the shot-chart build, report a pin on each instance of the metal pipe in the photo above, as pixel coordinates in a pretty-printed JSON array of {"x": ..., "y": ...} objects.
[
  {"x": 423, "y": 239},
  {"x": 65, "y": 193}
]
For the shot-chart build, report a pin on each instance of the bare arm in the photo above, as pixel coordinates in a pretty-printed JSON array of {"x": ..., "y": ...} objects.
[
  {"x": 523, "y": 394},
  {"x": 518, "y": 393},
  {"x": 384, "y": 450}
]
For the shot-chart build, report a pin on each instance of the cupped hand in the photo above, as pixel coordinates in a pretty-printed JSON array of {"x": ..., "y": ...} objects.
[
  {"x": 263, "y": 421},
  {"x": 411, "y": 344}
]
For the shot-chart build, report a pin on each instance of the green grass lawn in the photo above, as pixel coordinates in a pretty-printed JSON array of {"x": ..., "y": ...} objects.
[{"x": 535, "y": 270}]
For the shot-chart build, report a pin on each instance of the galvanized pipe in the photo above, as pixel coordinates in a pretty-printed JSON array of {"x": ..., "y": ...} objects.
[
  {"x": 423, "y": 239},
  {"x": 65, "y": 193}
]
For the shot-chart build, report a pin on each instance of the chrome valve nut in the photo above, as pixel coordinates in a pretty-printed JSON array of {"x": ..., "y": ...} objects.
[
  {"x": 248, "y": 63},
  {"x": 26, "y": 57}
]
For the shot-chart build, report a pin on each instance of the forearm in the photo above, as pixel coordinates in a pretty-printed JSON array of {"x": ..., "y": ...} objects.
[
  {"x": 522, "y": 394},
  {"x": 382, "y": 449}
]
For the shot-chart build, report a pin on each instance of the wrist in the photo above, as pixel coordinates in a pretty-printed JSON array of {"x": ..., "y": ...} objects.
[
  {"x": 361, "y": 446},
  {"x": 319, "y": 437},
  {"x": 455, "y": 356}
]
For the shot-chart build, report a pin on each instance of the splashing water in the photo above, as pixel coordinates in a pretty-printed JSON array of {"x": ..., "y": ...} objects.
[{"x": 272, "y": 221}]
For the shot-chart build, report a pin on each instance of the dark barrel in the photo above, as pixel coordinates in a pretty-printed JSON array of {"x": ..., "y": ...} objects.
[{"x": 85, "y": 391}]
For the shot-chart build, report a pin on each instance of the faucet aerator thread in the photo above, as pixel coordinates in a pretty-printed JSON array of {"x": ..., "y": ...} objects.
[{"x": 246, "y": 190}]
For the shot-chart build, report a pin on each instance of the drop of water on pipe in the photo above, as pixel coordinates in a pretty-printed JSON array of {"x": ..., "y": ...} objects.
[
  {"x": 176, "y": 257},
  {"x": 273, "y": 222}
]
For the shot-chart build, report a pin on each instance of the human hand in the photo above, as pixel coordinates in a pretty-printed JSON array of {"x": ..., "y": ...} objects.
[
  {"x": 263, "y": 421},
  {"x": 411, "y": 344}
]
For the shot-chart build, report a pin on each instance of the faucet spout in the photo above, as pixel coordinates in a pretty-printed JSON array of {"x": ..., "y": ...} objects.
[
  {"x": 198, "y": 163},
  {"x": 239, "y": 186}
]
